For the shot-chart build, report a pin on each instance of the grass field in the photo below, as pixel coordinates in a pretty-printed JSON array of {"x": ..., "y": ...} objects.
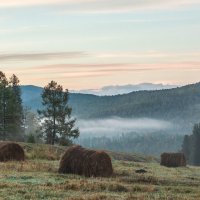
[{"x": 37, "y": 178}]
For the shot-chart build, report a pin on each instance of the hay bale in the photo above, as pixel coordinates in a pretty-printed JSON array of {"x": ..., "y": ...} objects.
[
  {"x": 11, "y": 151},
  {"x": 173, "y": 160},
  {"x": 81, "y": 161}
]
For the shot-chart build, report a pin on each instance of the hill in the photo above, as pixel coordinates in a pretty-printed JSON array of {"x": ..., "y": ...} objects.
[
  {"x": 164, "y": 104},
  {"x": 124, "y": 89},
  {"x": 49, "y": 152},
  {"x": 31, "y": 96},
  {"x": 179, "y": 104}
]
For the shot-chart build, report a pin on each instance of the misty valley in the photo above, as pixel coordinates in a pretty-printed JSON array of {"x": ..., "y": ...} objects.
[
  {"x": 145, "y": 136},
  {"x": 148, "y": 122},
  {"x": 99, "y": 100},
  {"x": 69, "y": 143}
]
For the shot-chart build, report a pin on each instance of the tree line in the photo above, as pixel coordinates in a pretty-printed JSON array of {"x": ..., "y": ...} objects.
[
  {"x": 191, "y": 146},
  {"x": 11, "y": 110},
  {"x": 54, "y": 125},
  {"x": 152, "y": 143},
  {"x": 179, "y": 104}
]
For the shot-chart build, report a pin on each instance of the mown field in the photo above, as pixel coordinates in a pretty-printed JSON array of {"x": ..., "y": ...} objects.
[{"x": 37, "y": 178}]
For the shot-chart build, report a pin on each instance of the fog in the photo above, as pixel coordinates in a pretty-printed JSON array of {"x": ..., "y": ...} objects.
[{"x": 116, "y": 126}]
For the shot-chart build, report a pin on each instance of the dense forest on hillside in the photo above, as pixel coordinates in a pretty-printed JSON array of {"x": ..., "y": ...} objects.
[
  {"x": 179, "y": 104},
  {"x": 163, "y": 103},
  {"x": 148, "y": 144},
  {"x": 179, "y": 108},
  {"x": 166, "y": 104}
]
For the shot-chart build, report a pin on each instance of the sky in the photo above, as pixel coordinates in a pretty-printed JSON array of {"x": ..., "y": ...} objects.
[{"x": 88, "y": 44}]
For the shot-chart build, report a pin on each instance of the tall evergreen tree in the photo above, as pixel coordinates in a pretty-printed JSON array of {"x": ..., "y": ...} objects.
[
  {"x": 191, "y": 146},
  {"x": 186, "y": 148},
  {"x": 196, "y": 144},
  {"x": 58, "y": 126},
  {"x": 16, "y": 108},
  {"x": 3, "y": 105},
  {"x": 10, "y": 108}
]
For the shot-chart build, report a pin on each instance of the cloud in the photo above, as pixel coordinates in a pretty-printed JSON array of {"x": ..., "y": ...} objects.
[
  {"x": 41, "y": 56},
  {"x": 63, "y": 72},
  {"x": 115, "y": 6},
  {"x": 123, "y": 66},
  {"x": 124, "y": 89},
  {"x": 19, "y": 3},
  {"x": 103, "y": 68},
  {"x": 83, "y": 74},
  {"x": 103, "y": 55},
  {"x": 133, "y": 55},
  {"x": 148, "y": 20},
  {"x": 80, "y": 76},
  {"x": 116, "y": 126},
  {"x": 151, "y": 55},
  {"x": 102, "y": 6},
  {"x": 3, "y": 18},
  {"x": 21, "y": 29}
]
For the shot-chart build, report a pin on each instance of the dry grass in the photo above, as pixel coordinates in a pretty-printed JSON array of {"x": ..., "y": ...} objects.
[{"x": 38, "y": 179}]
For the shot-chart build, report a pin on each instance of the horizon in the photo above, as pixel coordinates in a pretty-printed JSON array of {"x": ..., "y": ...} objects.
[
  {"x": 113, "y": 90},
  {"x": 90, "y": 44}
]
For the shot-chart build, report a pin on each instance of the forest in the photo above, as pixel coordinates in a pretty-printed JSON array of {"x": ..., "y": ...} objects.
[
  {"x": 22, "y": 107},
  {"x": 135, "y": 104},
  {"x": 180, "y": 105},
  {"x": 149, "y": 144}
]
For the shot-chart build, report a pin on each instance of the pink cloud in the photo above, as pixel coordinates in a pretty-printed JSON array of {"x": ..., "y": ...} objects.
[
  {"x": 77, "y": 76},
  {"x": 110, "y": 67}
]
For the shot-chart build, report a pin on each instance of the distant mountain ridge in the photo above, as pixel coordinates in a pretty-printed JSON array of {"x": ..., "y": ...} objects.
[
  {"x": 31, "y": 96},
  {"x": 124, "y": 89},
  {"x": 180, "y": 105}
]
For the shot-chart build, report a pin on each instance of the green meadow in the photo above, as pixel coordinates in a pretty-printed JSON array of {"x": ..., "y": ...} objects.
[{"x": 37, "y": 178}]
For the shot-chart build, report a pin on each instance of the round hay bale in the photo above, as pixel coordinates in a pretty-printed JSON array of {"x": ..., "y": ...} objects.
[
  {"x": 81, "y": 161},
  {"x": 11, "y": 151},
  {"x": 173, "y": 160}
]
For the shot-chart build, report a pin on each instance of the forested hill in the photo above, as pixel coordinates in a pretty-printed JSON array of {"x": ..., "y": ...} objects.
[{"x": 179, "y": 103}]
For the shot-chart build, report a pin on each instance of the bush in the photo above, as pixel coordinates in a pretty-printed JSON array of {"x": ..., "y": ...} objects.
[{"x": 31, "y": 138}]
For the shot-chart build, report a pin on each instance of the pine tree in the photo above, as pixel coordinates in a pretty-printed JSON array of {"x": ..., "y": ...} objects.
[
  {"x": 196, "y": 144},
  {"x": 58, "y": 126},
  {"x": 11, "y": 111},
  {"x": 3, "y": 105},
  {"x": 16, "y": 108},
  {"x": 186, "y": 148}
]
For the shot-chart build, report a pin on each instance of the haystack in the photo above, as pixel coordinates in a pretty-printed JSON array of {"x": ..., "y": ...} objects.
[
  {"x": 11, "y": 151},
  {"x": 81, "y": 161},
  {"x": 173, "y": 160}
]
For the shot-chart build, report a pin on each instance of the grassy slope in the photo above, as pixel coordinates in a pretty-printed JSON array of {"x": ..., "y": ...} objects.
[{"x": 37, "y": 178}]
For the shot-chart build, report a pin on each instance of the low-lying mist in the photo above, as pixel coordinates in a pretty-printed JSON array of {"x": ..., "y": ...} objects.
[
  {"x": 142, "y": 135},
  {"x": 116, "y": 126}
]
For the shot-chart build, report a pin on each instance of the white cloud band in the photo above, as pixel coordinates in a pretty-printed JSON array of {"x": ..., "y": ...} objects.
[{"x": 101, "y": 6}]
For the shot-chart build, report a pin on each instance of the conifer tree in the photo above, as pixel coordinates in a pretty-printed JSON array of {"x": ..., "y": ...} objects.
[
  {"x": 16, "y": 108},
  {"x": 186, "y": 147},
  {"x": 191, "y": 146},
  {"x": 11, "y": 111},
  {"x": 58, "y": 126},
  {"x": 196, "y": 144},
  {"x": 3, "y": 105}
]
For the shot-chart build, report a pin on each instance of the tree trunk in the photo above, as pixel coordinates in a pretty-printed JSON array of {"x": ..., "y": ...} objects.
[
  {"x": 4, "y": 114},
  {"x": 54, "y": 128}
]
